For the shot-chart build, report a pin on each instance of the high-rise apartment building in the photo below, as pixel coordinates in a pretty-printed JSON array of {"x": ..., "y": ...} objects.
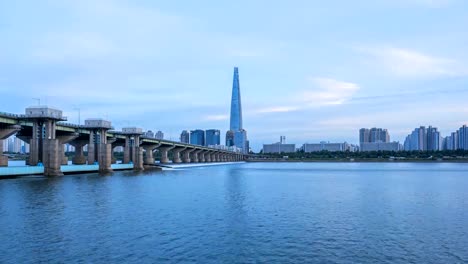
[
  {"x": 159, "y": 135},
  {"x": 376, "y": 139},
  {"x": 149, "y": 134},
  {"x": 236, "y": 136},
  {"x": 463, "y": 138},
  {"x": 373, "y": 135},
  {"x": 424, "y": 139}
]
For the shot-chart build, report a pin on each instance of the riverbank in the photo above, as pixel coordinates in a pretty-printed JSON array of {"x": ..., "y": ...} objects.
[{"x": 365, "y": 160}]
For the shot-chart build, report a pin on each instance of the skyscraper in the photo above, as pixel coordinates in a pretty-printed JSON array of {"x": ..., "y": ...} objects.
[
  {"x": 236, "y": 136},
  {"x": 213, "y": 137},
  {"x": 197, "y": 137},
  {"x": 185, "y": 137}
]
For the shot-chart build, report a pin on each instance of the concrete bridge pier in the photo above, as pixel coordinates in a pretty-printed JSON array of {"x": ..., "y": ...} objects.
[
  {"x": 79, "y": 158},
  {"x": 64, "y": 139},
  {"x": 186, "y": 155},
  {"x": 195, "y": 156},
  {"x": 99, "y": 150},
  {"x": 132, "y": 150},
  {"x": 164, "y": 151},
  {"x": 6, "y": 132},
  {"x": 201, "y": 156},
  {"x": 207, "y": 156},
  {"x": 149, "y": 158},
  {"x": 45, "y": 148},
  {"x": 176, "y": 155}
]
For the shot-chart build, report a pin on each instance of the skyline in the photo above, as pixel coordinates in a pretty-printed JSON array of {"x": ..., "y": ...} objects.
[{"x": 397, "y": 64}]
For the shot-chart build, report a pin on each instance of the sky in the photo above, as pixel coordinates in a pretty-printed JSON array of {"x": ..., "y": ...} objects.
[{"x": 309, "y": 70}]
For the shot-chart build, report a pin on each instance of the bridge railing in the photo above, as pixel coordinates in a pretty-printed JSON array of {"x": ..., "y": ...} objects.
[{"x": 4, "y": 114}]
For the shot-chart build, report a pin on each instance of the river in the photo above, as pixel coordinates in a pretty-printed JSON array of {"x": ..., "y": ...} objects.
[{"x": 244, "y": 213}]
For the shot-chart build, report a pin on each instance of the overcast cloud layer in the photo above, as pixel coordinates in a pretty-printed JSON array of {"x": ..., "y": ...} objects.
[{"x": 310, "y": 71}]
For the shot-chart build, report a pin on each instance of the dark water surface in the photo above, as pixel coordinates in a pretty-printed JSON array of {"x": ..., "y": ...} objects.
[{"x": 246, "y": 213}]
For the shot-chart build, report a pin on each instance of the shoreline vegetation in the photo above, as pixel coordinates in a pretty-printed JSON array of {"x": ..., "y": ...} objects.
[{"x": 460, "y": 156}]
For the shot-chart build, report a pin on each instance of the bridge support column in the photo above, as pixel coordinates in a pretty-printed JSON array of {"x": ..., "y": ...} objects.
[
  {"x": 201, "y": 156},
  {"x": 194, "y": 158},
  {"x": 79, "y": 158},
  {"x": 186, "y": 155},
  {"x": 133, "y": 153},
  {"x": 164, "y": 151},
  {"x": 64, "y": 139},
  {"x": 51, "y": 157},
  {"x": 99, "y": 149},
  {"x": 207, "y": 156},
  {"x": 6, "y": 132},
  {"x": 149, "y": 158},
  {"x": 176, "y": 155},
  {"x": 45, "y": 148}
]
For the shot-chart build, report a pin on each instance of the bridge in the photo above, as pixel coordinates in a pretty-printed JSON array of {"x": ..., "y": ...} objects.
[{"x": 46, "y": 131}]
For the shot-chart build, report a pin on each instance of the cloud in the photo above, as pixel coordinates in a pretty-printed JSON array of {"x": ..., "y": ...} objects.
[
  {"x": 329, "y": 91},
  {"x": 410, "y": 63},
  {"x": 278, "y": 109},
  {"x": 216, "y": 117},
  {"x": 424, "y": 3}
]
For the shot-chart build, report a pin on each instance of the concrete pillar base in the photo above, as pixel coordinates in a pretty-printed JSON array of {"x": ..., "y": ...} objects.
[
  {"x": 64, "y": 160},
  {"x": 105, "y": 158},
  {"x": 149, "y": 161},
  {"x": 79, "y": 160},
  {"x": 52, "y": 172},
  {"x": 3, "y": 161},
  {"x": 52, "y": 158}
]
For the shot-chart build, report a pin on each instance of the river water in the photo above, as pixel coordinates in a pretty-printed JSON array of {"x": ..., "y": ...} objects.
[{"x": 244, "y": 213}]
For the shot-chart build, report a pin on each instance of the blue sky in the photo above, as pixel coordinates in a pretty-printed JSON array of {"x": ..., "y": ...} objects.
[{"x": 309, "y": 70}]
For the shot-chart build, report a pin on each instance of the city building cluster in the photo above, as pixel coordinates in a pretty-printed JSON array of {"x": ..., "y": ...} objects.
[
  {"x": 378, "y": 139},
  {"x": 283, "y": 147},
  {"x": 430, "y": 139}
]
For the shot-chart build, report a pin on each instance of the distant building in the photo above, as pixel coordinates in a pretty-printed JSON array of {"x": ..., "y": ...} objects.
[
  {"x": 237, "y": 135},
  {"x": 149, "y": 134},
  {"x": 185, "y": 137},
  {"x": 197, "y": 137},
  {"x": 424, "y": 139},
  {"x": 380, "y": 146},
  {"x": 463, "y": 138},
  {"x": 159, "y": 135},
  {"x": 213, "y": 137},
  {"x": 327, "y": 146},
  {"x": 373, "y": 135},
  {"x": 279, "y": 147}
]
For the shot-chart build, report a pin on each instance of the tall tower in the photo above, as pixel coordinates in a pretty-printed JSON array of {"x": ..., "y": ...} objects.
[
  {"x": 236, "y": 136},
  {"x": 236, "y": 105}
]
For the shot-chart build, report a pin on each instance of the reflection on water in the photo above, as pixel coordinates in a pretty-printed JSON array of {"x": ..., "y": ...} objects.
[{"x": 255, "y": 212}]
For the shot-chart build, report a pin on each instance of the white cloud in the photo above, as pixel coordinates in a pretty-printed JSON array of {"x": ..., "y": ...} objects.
[
  {"x": 329, "y": 91},
  {"x": 278, "y": 109},
  {"x": 216, "y": 117},
  {"x": 410, "y": 63},
  {"x": 424, "y": 3}
]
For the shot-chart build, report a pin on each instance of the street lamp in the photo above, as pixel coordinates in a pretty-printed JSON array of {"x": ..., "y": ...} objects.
[{"x": 79, "y": 114}]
